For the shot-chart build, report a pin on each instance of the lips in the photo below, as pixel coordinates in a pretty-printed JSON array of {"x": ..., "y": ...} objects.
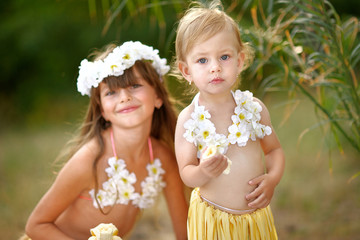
[
  {"x": 128, "y": 109},
  {"x": 217, "y": 80}
]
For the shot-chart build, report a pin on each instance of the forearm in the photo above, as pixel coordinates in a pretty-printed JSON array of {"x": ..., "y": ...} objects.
[
  {"x": 275, "y": 164},
  {"x": 44, "y": 230},
  {"x": 192, "y": 176}
]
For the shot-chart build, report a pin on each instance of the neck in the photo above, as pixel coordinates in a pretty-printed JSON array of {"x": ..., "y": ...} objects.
[
  {"x": 214, "y": 100},
  {"x": 131, "y": 143}
]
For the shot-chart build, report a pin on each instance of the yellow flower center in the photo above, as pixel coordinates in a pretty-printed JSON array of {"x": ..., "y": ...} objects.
[
  {"x": 238, "y": 134},
  {"x": 205, "y": 134},
  {"x": 242, "y": 116},
  {"x": 200, "y": 147},
  {"x": 126, "y": 57}
]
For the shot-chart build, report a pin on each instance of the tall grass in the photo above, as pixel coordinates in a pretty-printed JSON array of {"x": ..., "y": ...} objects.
[{"x": 304, "y": 46}]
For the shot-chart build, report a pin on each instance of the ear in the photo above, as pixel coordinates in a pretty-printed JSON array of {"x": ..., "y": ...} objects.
[
  {"x": 184, "y": 69},
  {"x": 240, "y": 63},
  {"x": 158, "y": 102}
]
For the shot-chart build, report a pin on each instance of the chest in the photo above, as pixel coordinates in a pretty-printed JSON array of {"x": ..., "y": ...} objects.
[
  {"x": 138, "y": 185},
  {"x": 229, "y": 124}
]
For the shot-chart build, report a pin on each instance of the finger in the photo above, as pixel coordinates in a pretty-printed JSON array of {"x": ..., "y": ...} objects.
[
  {"x": 215, "y": 162},
  {"x": 254, "y": 194},
  {"x": 257, "y": 180},
  {"x": 212, "y": 167},
  {"x": 259, "y": 202}
]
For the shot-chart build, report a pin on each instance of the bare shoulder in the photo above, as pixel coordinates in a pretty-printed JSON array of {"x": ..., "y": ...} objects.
[
  {"x": 185, "y": 114},
  {"x": 80, "y": 164},
  {"x": 74, "y": 178},
  {"x": 164, "y": 153}
]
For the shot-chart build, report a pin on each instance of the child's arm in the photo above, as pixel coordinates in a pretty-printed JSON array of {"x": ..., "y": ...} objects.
[
  {"x": 193, "y": 173},
  {"x": 275, "y": 164},
  {"x": 175, "y": 195},
  {"x": 69, "y": 183}
]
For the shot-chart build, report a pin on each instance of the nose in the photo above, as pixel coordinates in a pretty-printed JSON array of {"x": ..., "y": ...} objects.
[
  {"x": 215, "y": 68},
  {"x": 124, "y": 95}
]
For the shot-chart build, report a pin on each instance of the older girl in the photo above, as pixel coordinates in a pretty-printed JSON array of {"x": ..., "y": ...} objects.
[{"x": 123, "y": 158}]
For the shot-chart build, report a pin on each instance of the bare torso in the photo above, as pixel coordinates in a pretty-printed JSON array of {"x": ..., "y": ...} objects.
[
  {"x": 230, "y": 190},
  {"x": 247, "y": 162},
  {"x": 81, "y": 215}
]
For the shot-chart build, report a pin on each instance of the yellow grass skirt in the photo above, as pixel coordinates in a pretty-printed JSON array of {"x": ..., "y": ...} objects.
[{"x": 205, "y": 222}]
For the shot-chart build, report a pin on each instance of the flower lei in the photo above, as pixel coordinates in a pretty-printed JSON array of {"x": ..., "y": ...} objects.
[
  {"x": 120, "y": 59},
  {"x": 246, "y": 125},
  {"x": 119, "y": 189}
]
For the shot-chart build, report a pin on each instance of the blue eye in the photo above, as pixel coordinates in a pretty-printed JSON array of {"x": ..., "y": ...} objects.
[
  {"x": 202, "y": 60},
  {"x": 109, "y": 93},
  {"x": 136, "y": 85},
  {"x": 225, "y": 57}
]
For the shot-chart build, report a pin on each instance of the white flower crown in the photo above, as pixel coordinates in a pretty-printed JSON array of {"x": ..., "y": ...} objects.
[{"x": 120, "y": 59}]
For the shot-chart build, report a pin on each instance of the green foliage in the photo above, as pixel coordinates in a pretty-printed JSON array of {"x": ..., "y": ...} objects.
[
  {"x": 305, "y": 46},
  {"x": 44, "y": 43}
]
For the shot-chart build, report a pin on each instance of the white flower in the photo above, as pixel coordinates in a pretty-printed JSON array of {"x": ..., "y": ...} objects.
[
  {"x": 89, "y": 75},
  {"x": 221, "y": 142},
  {"x": 104, "y": 231},
  {"x": 104, "y": 198},
  {"x": 155, "y": 169},
  {"x": 241, "y": 115},
  {"x": 125, "y": 178},
  {"x": 115, "y": 166},
  {"x": 242, "y": 97},
  {"x": 262, "y": 130},
  {"x": 238, "y": 134},
  {"x": 205, "y": 131},
  {"x": 200, "y": 114},
  {"x": 121, "y": 58},
  {"x": 189, "y": 134},
  {"x": 126, "y": 193}
]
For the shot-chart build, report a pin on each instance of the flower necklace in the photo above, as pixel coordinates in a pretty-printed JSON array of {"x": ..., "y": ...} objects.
[
  {"x": 119, "y": 189},
  {"x": 246, "y": 124}
]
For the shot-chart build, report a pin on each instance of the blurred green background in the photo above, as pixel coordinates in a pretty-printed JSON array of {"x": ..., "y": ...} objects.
[{"x": 42, "y": 44}]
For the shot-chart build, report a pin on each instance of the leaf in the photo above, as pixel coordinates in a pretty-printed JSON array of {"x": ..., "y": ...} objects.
[{"x": 353, "y": 177}]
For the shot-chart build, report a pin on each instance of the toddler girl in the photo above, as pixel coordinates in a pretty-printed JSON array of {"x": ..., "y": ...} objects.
[{"x": 222, "y": 136}]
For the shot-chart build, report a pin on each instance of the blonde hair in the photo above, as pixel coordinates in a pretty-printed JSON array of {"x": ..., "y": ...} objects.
[
  {"x": 199, "y": 23},
  {"x": 93, "y": 125}
]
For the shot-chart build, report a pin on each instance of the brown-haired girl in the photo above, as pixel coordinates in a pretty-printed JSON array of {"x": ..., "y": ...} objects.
[{"x": 123, "y": 158}]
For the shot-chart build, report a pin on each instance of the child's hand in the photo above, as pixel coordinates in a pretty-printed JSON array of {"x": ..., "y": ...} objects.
[
  {"x": 212, "y": 163},
  {"x": 261, "y": 196}
]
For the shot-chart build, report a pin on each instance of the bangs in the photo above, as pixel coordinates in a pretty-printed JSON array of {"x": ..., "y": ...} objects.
[
  {"x": 123, "y": 81},
  {"x": 129, "y": 78}
]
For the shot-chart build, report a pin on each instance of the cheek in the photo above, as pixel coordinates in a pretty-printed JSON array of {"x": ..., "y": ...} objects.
[{"x": 105, "y": 109}]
